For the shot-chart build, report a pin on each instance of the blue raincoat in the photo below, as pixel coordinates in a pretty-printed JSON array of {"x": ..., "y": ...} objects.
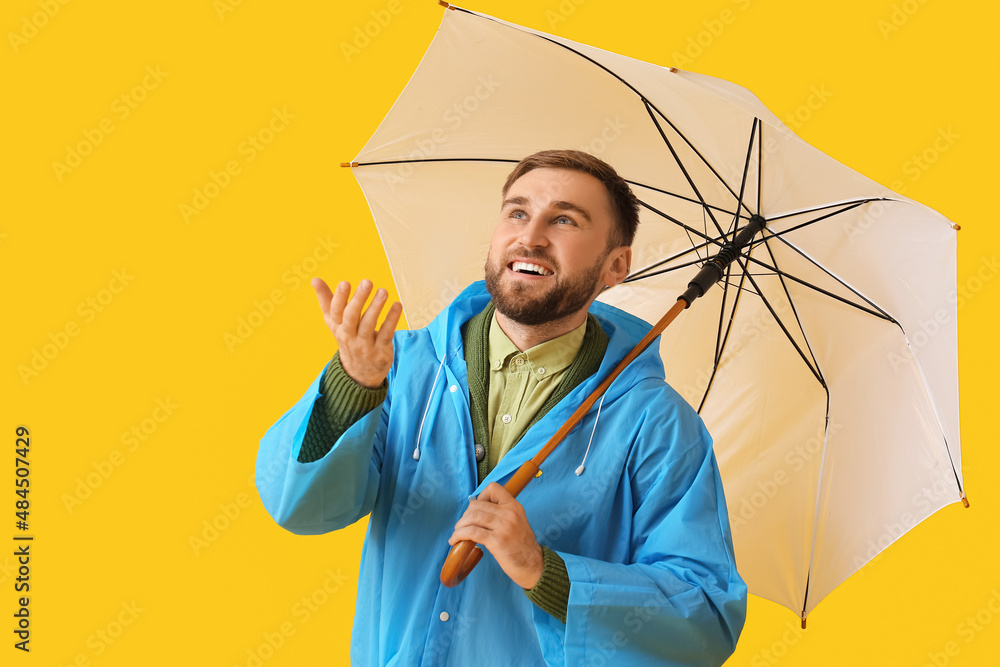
[{"x": 643, "y": 530}]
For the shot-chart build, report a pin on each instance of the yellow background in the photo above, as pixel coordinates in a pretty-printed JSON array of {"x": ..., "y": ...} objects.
[{"x": 118, "y": 576}]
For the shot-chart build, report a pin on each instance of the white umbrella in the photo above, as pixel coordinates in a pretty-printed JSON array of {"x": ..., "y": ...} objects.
[{"x": 824, "y": 363}]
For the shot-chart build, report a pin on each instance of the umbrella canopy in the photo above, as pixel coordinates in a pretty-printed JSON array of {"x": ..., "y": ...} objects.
[{"x": 824, "y": 363}]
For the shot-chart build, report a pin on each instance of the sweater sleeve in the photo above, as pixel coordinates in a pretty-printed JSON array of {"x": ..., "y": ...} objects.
[
  {"x": 551, "y": 593},
  {"x": 342, "y": 403}
]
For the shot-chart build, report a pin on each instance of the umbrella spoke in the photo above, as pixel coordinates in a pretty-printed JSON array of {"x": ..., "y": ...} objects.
[
  {"x": 648, "y": 273},
  {"x": 680, "y": 164},
  {"x": 431, "y": 159},
  {"x": 874, "y": 310},
  {"x": 722, "y": 340},
  {"x": 695, "y": 248},
  {"x": 650, "y": 107},
  {"x": 791, "y": 303},
  {"x": 690, "y": 200},
  {"x": 746, "y": 169},
  {"x": 760, "y": 167},
  {"x": 847, "y": 206},
  {"x": 784, "y": 329}
]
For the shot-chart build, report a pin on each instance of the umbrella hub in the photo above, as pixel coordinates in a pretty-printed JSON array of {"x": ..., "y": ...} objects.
[{"x": 715, "y": 268}]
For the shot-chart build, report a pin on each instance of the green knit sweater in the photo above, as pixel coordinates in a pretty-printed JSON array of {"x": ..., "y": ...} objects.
[{"x": 342, "y": 402}]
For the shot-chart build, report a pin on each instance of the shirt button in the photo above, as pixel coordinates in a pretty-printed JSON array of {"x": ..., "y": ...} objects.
[
  {"x": 453, "y": 388},
  {"x": 480, "y": 452},
  {"x": 499, "y": 364},
  {"x": 444, "y": 616},
  {"x": 519, "y": 361},
  {"x": 506, "y": 419}
]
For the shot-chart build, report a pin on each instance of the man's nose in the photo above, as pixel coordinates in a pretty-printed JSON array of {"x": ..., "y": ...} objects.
[{"x": 534, "y": 234}]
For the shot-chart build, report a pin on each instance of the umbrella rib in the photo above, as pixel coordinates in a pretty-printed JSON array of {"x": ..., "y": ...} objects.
[
  {"x": 819, "y": 488},
  {"x": 682, "y": 225},
  {"x": 847, "y": 207},
  {"x": 685, "y": 198},
  {"x": 649, "y": 105},
  {"x": 677, "y": 159},
  {"x": 781, "y": 325},
  {"x": 720, "y": 338},
  {"x": 690, "y": 145},
  {"x": 876, "y": 311},
  {"x": 850, "y": 204},
  {"x": 760, "y": 167},
  {"x": 653, "y": 274},
  {"x": 791, "y": 303},
  {"x": 746, "y": 172},
  {"x": 720, "y": 346},
  {"x": 437, "y": 159}
]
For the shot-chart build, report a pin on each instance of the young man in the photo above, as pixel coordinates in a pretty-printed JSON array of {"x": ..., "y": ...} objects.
[{"x": 621, "y": 551}]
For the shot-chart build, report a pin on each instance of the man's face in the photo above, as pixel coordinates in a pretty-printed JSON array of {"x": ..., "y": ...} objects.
[{"x": 549, "y": 254}]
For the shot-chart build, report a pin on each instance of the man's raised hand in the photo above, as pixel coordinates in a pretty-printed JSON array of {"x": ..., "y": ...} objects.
[{"x": 365, "y": 352}]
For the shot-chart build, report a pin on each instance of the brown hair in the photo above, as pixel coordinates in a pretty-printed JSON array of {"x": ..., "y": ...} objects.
[{"x": 624, "y": 204}]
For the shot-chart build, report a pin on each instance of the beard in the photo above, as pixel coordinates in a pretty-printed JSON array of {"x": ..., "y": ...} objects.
[{"x": 524, "y": 304}]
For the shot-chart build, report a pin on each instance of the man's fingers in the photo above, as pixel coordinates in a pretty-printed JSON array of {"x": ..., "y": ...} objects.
[
  {"x": 323, "y": 294},
  {"x": 366, "y": 326},
  {"x": 472, "y": 533},
  {"x": 481, "y": 514},
  {"x": 352, "y": 312},
  {"x": 497, "y": 494},
  {"x": 335, "y": 314},
  {"x": 388, "y": 328}
]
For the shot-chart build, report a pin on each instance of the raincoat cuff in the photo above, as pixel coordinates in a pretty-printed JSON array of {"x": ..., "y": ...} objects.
[
  {"x": 341, "y": 404},
  {"x": 551, "y": 593}
]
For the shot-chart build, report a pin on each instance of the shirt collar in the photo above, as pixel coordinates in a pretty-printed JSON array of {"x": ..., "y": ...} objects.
[{"x": 549, "y": 357}]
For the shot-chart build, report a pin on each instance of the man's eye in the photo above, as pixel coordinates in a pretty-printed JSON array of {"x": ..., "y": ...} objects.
[
  {"x": 520, "y": 215},
  {"x": 563, "y": 220}
]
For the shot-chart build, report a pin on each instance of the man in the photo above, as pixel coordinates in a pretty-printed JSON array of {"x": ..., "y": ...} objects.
[{"x": 620, "y": 552}]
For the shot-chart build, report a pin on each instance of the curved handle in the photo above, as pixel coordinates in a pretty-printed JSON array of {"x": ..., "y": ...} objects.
[{"x": 459, "y": 563}]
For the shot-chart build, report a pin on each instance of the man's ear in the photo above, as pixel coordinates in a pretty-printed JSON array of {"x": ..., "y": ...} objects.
[{"x": 617, "y": 265}]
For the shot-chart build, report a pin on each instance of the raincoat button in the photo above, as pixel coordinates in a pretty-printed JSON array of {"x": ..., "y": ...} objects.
[
  {"x": 453, "y": 388},
  {"x": 506, "y": 419},
  {"x": 444, "y": 616},
  {"x": 480, "y": 452}
]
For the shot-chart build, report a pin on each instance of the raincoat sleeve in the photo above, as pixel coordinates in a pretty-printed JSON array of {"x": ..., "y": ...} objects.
[
  {"x": 331, "y": 492},
  {"x": 680, "y": 601}
]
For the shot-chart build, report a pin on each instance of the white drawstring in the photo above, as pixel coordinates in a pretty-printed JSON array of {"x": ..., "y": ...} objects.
[
  {"x": 583, "y": 464},
  {"x": 430, "y": 395}
]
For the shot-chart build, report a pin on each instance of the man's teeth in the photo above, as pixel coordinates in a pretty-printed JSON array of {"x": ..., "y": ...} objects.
[{"x": 532, "y": 268}]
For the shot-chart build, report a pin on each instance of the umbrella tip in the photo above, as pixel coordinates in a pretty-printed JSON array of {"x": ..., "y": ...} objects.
[
  {"x": 673, "y": 70},
  {"x": 348, "y": 164},
  {"x": 956, "y": 226},
  {"x": 803, "y": 622},
  {"x": 965, "y": 502},
  {"x": 445, "y": 4}
]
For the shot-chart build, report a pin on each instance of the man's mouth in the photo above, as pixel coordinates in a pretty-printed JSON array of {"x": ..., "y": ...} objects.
[{"x": 530, "y": 269}]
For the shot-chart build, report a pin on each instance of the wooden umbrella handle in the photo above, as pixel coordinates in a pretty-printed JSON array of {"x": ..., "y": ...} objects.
[
  {"x": 461, "y": 559},
  {"x": 466, "y": 554}
]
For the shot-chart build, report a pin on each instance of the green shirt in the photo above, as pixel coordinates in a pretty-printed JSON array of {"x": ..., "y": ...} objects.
[{"x": 521, "y": 382}]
